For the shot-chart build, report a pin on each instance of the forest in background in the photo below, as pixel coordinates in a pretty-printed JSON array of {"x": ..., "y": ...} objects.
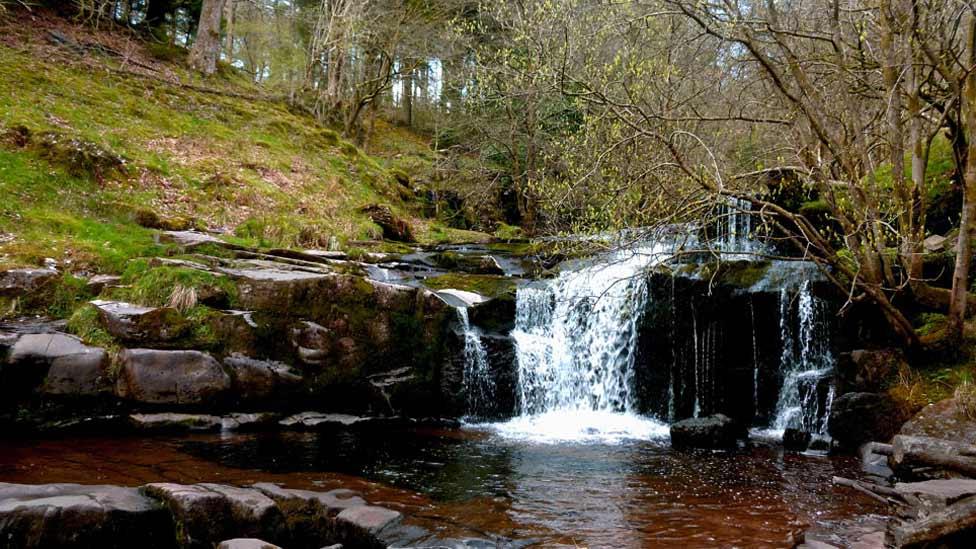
[{"x": 844, "y": 125}]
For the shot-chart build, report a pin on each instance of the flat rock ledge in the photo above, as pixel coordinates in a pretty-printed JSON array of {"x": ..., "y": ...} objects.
[{"x": 171, "y": 516}]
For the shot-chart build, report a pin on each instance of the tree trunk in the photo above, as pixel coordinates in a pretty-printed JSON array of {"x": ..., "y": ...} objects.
[
  {"x": 206, "y": 46},
  {"x": 408, "y": 98},
  {"x": 229, "y": 39},
  {"x": 967, "y": 221}
]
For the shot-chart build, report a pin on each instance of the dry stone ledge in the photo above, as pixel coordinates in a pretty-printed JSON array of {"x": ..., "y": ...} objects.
[
  {"x": 939, "y": 493},
  {"x": 331, "y": 503},
  {"x": 73, "y": 515},
  {"x": 944, "y": 419},
  {"x": 170, "y": 516},
  {"x": 246, "y": 543},
  {"x": 97, "y": 283},
  {"x": 206, "y": 513},
  {"x": 20, "y": 282},
  {"x": 169, "y": 421},
  {"x": 171, "y": 377},
  {"x": 45, "y": 347},
  {"x": 133, "y": 323}
]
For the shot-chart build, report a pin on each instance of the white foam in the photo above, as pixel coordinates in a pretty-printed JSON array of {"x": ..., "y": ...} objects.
[{"x": 582, "y": 426}]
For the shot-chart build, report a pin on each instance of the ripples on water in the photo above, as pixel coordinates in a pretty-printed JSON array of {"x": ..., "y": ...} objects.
[{"x": 597, "y": 482}]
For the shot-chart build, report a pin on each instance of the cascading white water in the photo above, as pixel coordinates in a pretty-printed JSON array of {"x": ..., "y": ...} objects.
[
  {"x": 575, "y": 339},
  {"x": 806, "y": 361},
  {"x": 477, "y": 381}
]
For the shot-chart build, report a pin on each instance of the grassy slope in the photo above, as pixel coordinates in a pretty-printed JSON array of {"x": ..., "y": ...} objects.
[{"x": 238, "y": 165}]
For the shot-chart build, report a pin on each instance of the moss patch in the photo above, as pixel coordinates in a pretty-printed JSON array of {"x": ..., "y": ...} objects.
[
  {"x": 486, "y": 285},
  {"x": 738, "y": 274}
]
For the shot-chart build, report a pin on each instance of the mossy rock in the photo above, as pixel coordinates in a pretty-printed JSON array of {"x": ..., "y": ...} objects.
[
  {"x": 151, "y": 220},
  {"x": 737, "y": 274},
  {"x": 494, "y": 286}
]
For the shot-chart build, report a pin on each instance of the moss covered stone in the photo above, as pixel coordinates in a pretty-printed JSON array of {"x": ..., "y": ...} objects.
[{"x": 494, "y": 286}]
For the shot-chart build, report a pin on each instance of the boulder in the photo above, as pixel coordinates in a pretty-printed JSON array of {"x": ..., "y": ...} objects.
[
  {"x": 246, "y": 543},
  {"x": 73, "y": 515},
  {"x": 935, "y": 243},
  {"x": 97, "y": 283},
  {"x": 80, "y": 374},
  {"x": 394, "y": 228},
  {"x": 868, "y": 370},
  {"x": 938, "y": 493},
  {"x": 44, "y": 348},
  {"x": 257, "y": 380},
  {"x": 143, "y": 325},
  {"x": 59, "y": 363},
  {"x": 944, "y": 419},
  {"x": 237, "y": 331},
  {"x": 856, "y": 418},
  {"x": 21, "y": 282},
  {"x": 205, "y": 514},
  {"x": 366, "y": 525},
  {"x": 795, "y": 440},
  {"x": 717, "y": 431},
  {"x": 170, "y": 377}
]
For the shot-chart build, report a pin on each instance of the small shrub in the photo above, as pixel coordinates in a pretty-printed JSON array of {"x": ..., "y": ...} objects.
[
  {"x": 508, "y": 232},
  {"x": 965, "y": 395},
  {"x": 182, "y": 298}
]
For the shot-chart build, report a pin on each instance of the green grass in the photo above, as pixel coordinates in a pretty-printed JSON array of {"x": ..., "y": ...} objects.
[
  {"x": 92, "y": 153},
  {"x": 67, "y": 218},
  {"x": 215, "y": 159},
  {"x": 152, "y": 286}
]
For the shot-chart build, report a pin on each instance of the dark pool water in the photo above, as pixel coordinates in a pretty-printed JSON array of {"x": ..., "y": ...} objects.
[{"x": 621, "y": 495}]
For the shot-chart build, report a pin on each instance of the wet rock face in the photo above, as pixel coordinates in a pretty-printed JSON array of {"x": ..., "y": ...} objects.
[
  {"x": 713, "y": 432},
  {"x": 795, "y": 440},
  {"x": 261, "y": 380},
  {"x": 856, "y": 418},
  {"x": 171, "y": 377},
  {"x": 72, "y": 515}
]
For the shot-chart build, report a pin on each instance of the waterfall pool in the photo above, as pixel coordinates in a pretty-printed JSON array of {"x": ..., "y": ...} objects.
[{"x": 601, "y": 492}]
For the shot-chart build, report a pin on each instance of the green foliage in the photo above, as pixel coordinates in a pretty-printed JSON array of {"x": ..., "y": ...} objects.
[
  {"x": 191, "y": 158},
  {"x": 930, "y": 323},
  {"x": 154, "y": 285},
  {"x": 64, "y": 217},
  {"x": 86, "y": 323},
  {"x": 68, "y": 293},
  {"x": 508, "y": 232}
]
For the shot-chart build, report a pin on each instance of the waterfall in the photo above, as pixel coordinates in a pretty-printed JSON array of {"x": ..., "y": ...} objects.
[
  {"x": 806, "y": 364},
  {"x": 733, "y": 229},
  {"x": 477, "y": 381},
  {"x": 575, "y": 337}
]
